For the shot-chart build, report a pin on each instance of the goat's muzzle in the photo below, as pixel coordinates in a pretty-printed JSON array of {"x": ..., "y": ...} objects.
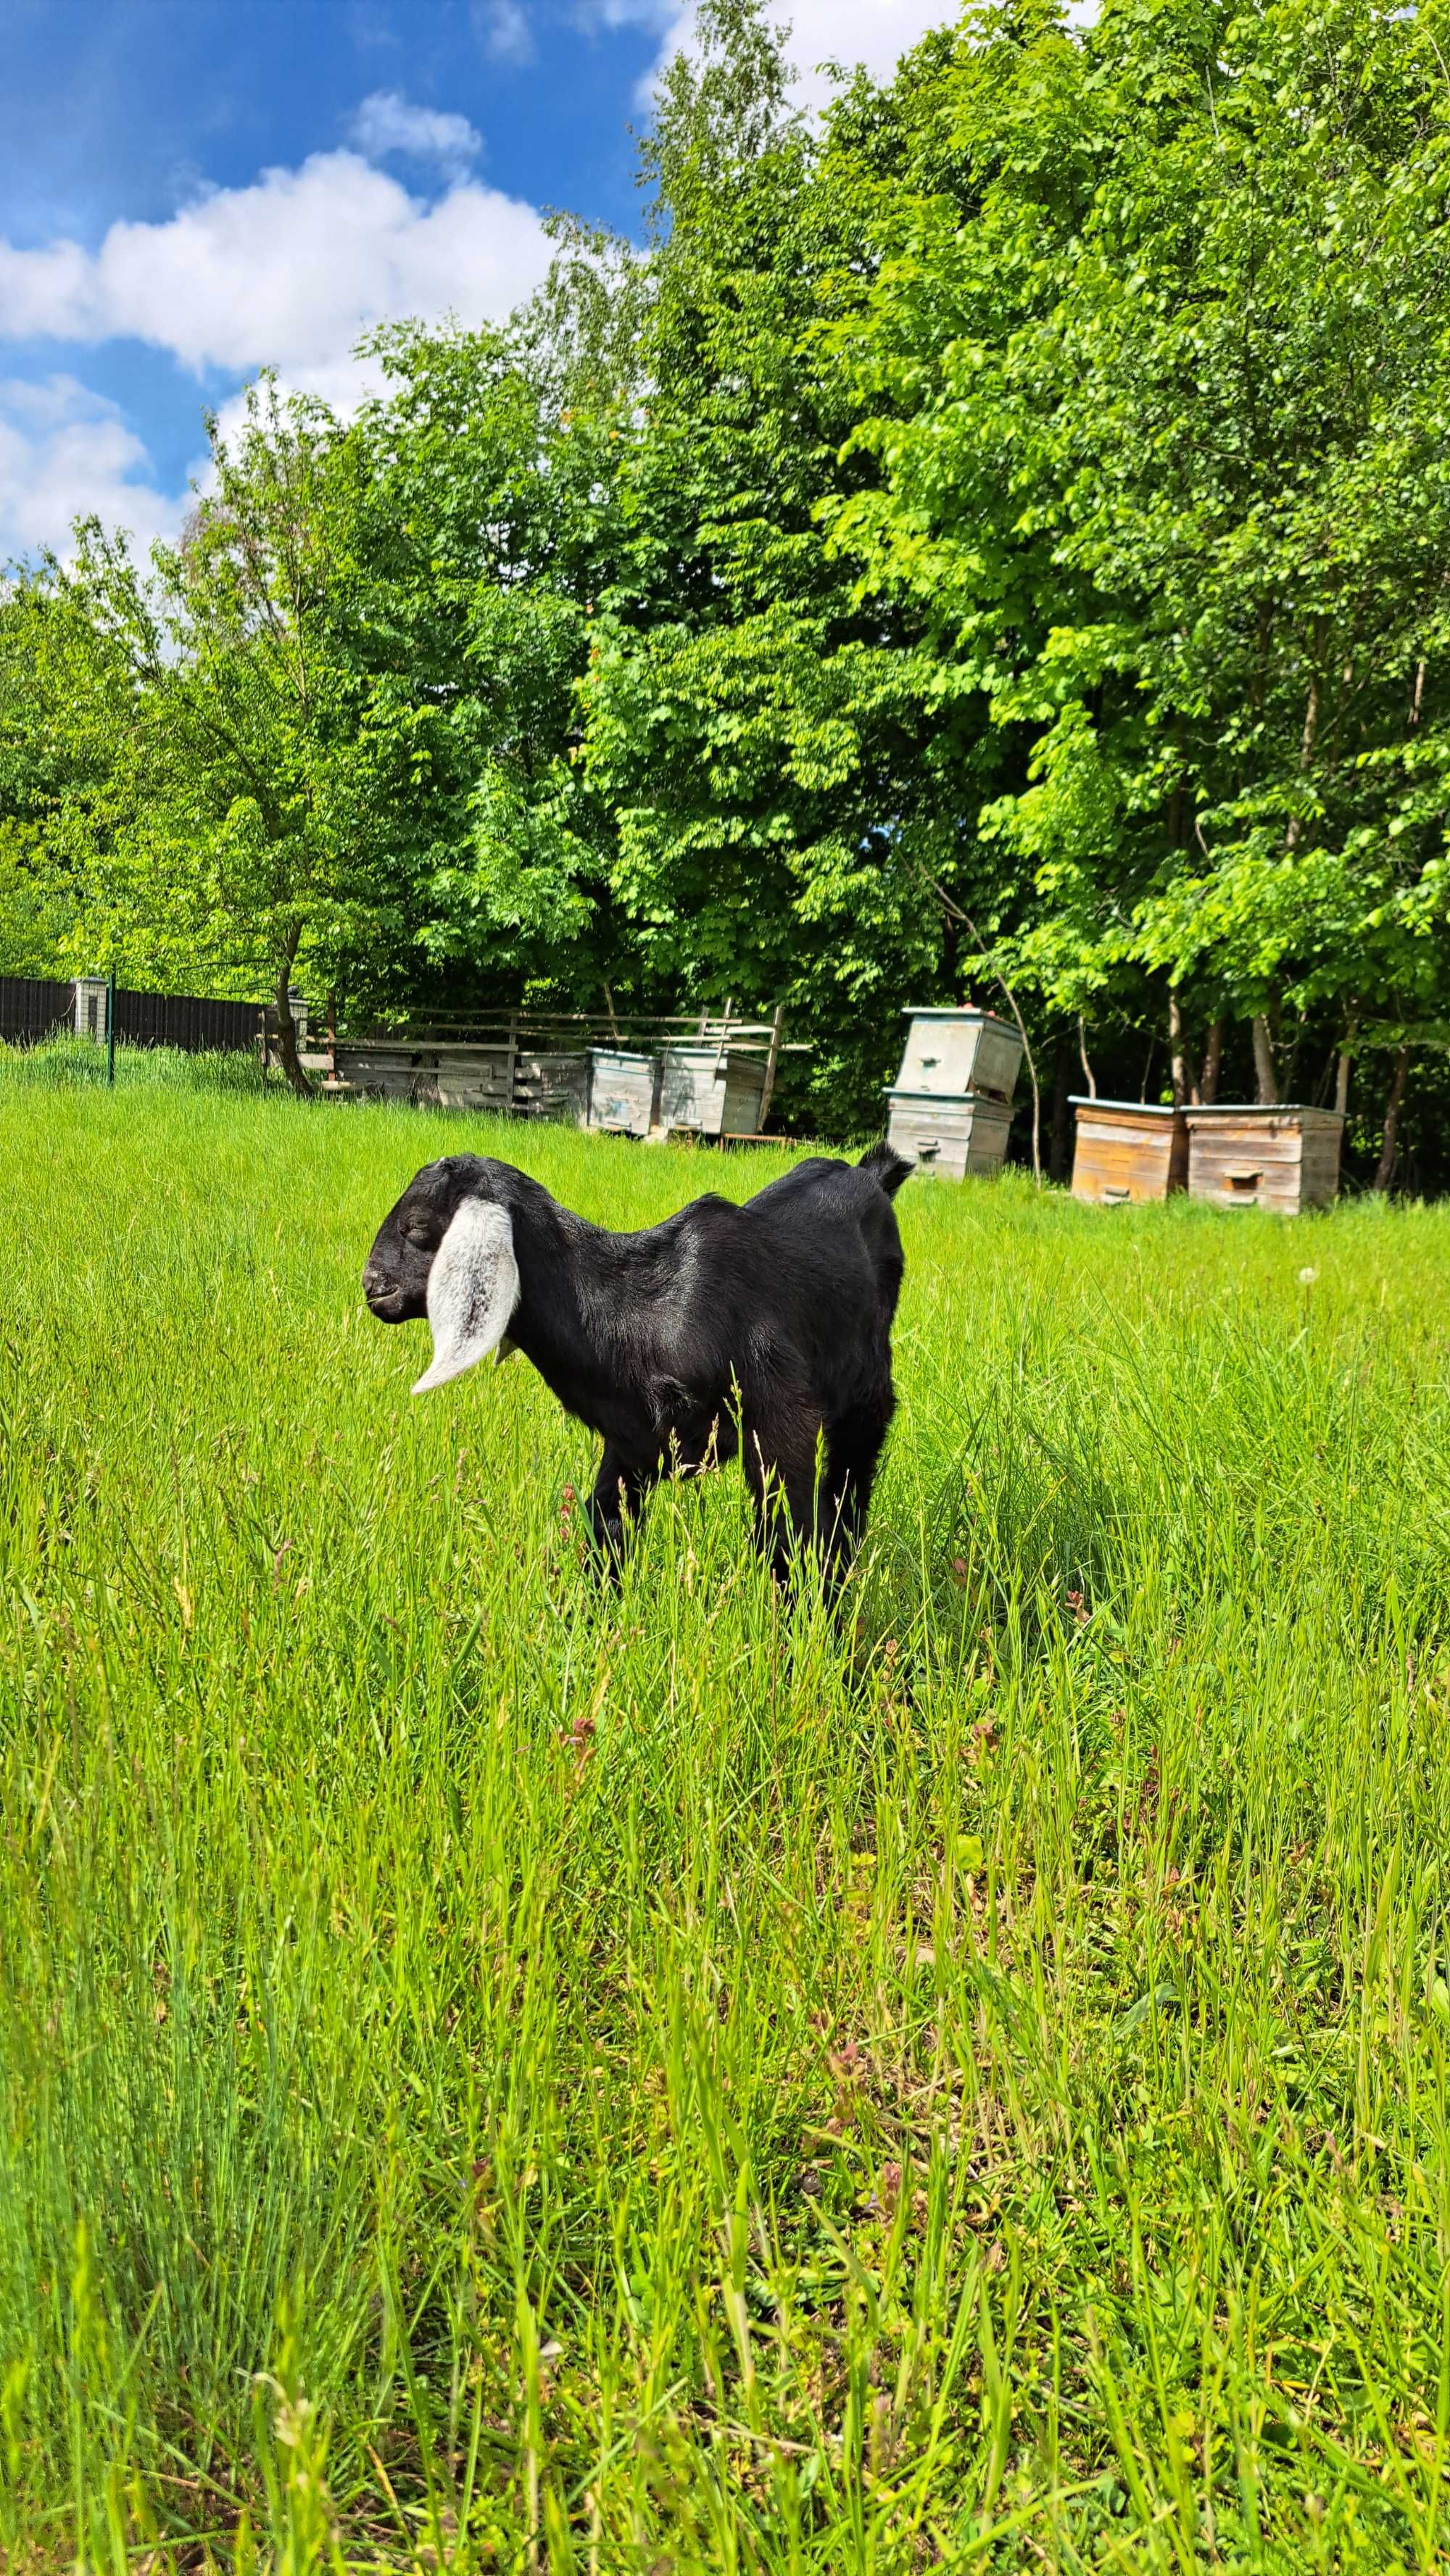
[{"x": 385, "y": 1303}]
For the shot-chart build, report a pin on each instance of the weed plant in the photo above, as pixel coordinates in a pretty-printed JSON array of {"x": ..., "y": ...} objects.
[{"x": 498, "y": 2074}]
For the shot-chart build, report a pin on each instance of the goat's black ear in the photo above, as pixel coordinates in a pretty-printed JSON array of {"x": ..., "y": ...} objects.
[{"x": 473, "y": 1289}]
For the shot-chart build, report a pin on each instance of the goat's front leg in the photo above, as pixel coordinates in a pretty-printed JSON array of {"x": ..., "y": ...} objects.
[
  {"x": 782, "y": 1472},
  {"x": 619, "y": 1488}
]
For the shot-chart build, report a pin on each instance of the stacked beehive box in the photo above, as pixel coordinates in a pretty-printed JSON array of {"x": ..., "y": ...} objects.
[
  {"x": 951, "y": 1103},
  {"x": 1128, "y": 1150}
]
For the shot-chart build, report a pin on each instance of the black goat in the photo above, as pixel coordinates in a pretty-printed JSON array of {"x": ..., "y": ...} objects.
[{"x": 765, "y": 1327}]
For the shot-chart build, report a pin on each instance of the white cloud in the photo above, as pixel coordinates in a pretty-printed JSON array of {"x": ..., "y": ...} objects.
[
  {"x": 66, "y": 453},
  {"x": 387, "y": 122},
  {"x": 873, "y": 32},
  {"x": 284, "y": 273},
  {"x": 503, "y": 30}
]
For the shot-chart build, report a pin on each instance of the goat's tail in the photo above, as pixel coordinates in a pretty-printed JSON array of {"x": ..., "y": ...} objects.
[{"x": 886, "y": 1166}]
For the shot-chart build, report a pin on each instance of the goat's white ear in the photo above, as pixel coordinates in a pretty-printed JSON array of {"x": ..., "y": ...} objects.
[{"x": 473, "y": 1288}]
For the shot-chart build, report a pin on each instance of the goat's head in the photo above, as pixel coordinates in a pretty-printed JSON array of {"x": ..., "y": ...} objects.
[{"x": 447, "y": 1251}]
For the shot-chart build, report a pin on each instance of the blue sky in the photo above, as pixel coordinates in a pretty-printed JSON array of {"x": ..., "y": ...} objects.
[{"x": 192, "y": 189}]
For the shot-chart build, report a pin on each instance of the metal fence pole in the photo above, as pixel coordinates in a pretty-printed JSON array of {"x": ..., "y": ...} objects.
[{"x": 111, "y": 1027}]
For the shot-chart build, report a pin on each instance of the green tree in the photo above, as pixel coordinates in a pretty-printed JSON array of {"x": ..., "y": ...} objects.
[
  {"x": 484, "y": 531},
  {"x": 228, "y": 805},
  {"x": 786, "y": 773},
  {"x": 1157, "y": 389}
]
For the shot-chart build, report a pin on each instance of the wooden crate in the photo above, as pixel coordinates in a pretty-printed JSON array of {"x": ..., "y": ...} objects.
[
  {"x": 957, "y": 1138},
  {"x": 1127, "y": 1150},
  {"x": 1285, "y": 1158},
  {"x": 711, "y": 1091},
  {"x": 471, "y": 1077},
  {"x": 623, "y": 1091},
  {"x": 503, "y": 1079},
  {"x": 950, "y": 1053},
  {"x": 552, "y": 1086},
  {"x": 380, "y": 1071}
]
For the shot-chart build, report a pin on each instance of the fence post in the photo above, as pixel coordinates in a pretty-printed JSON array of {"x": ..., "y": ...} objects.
[
  {"x": 771, "y": 1061},
  {"x": 90, "y": 991},
  {"x": 111, "y": 1029}
]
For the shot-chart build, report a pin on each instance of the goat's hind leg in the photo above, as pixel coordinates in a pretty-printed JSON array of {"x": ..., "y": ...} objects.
[
  {"x": 853, "y": 1452},
  {"x": 619, "y": 1490}
]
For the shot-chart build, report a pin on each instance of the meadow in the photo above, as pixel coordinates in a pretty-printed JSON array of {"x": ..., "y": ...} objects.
[{"x": 498, "y": 2075}]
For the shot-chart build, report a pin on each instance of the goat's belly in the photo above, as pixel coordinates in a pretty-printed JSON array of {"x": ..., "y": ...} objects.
[
  {"x": 693, "y": 1432},
  {"x": 695, "y": 1447}
]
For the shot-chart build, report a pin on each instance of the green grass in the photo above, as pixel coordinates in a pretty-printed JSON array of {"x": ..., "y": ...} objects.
[{"x": 494, "y": 2075}]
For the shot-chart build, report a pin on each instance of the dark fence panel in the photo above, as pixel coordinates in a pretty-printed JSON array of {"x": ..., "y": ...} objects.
[
  {"x": 30, "y": 1011},
  {"x": 184, "y": 1020}
]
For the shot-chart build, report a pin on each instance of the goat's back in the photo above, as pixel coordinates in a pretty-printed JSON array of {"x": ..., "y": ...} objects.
[
  {"x": 804, "y": 1278},
  {"x": 834, "y": 1208}
]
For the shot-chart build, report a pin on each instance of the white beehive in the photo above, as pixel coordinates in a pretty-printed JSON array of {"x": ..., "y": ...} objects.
[
  {"x": 960, "y": 1051},
  {"x": 711, "y": 1090},
  {"x": 957, "y": 1137},
  {"x": 623, "y": 1088}
]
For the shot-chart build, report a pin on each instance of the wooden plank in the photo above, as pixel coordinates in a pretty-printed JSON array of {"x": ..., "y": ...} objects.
[
  {"x": 1262, "y": 1153},
  {"x": 772, "y": 1061}
]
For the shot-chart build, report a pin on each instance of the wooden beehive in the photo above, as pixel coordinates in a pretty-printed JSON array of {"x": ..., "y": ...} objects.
[
  {"x": 954, "y": 1052},
  {"x": 507, "y": 1080},
  {"x": 623, "y": 1088},
  {"x": 1127, "y": 1150},
  {"x": 552, "y": 1086},
  {"x": 1285, "y": 1157},
  {"x": 380, "y": 1070},
  {"x": 956, "y": 1136},
  {"x": 470, "y": 1077},
  {"x": 711, "y": 1091}
]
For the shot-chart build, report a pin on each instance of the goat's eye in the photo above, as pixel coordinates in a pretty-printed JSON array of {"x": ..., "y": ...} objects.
[{"x": 422, "y": 1235}]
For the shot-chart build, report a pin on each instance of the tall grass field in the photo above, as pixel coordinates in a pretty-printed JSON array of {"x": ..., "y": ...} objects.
[{"x": 497, "y": 2074}]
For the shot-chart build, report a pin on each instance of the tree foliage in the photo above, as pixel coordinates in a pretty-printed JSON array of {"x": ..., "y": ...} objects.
[
  {"x": 999, "y": 529},
  {"x": 1162, "y": 429}
]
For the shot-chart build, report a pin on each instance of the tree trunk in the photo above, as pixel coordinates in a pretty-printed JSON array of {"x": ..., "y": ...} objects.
[
  {"x": 1059, "y": 1149},
  {"x": 1036, "y": 1094},
  {"x": 1088, "y": 1075},
  {"x": 1268, "y": 1089},
  {"x": 1390, "y": 1145},
  {"x": 1031, "y": 1072},
  {"x": 1185, "y": 1086},
  {"x": 1341, "y": 1078},
  {"x": 287, "y": 1033},
  {"x": 1212, "y": 1063}
]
